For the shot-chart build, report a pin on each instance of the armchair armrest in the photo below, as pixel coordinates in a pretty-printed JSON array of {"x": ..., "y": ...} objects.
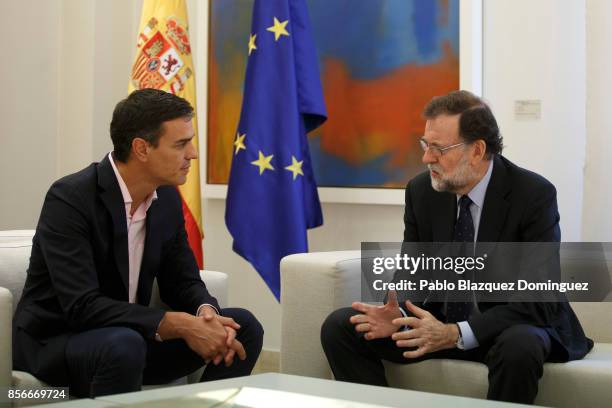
[
  {"x": 216, "y": 283},
  {"x": 6, "y": 336},
  {"x": 312, "y": 286}
]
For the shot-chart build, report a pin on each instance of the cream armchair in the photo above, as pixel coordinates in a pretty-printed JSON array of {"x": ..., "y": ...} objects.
[
  {"x": 315, "y": 284},
  {"x": 15, "y": 248}
]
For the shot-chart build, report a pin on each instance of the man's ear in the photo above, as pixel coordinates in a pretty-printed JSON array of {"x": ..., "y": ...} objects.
[
  {"x": 140, "y": 149},
  {"x": 480, "y": 150}
]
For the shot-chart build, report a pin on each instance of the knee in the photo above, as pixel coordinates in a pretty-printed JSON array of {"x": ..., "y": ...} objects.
[
  {"x": 249, "y": 325},
  {"x": 336, "y": 324},
  {"x": 125, "y": 348},
  {"x": 521, "y": 346}
]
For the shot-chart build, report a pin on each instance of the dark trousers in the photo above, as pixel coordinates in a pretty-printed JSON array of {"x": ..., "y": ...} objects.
[
  {"x": 114, "y": 360},
  {"x": 515, "y": 359}
]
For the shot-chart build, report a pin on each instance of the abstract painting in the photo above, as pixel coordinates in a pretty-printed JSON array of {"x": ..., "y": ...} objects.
[{"x": 381, "y": 61}]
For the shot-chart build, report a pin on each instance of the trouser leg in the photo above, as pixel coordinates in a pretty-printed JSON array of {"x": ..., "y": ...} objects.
[
  {"x": 350, "y": 356},
  {"x": 250, "y": 335},
  {"x": 516, "y": 363},
  {"x": 170, "y": 360},
  {"x": 353, "y": 358},
  {"x": 173, "y": 359},
  {"x": 117, "y": 359},
  {"x": 105, "y": 361}
]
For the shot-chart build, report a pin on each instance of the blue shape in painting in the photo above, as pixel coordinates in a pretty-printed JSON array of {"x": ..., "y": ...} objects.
[
  {"x": 382, "y": 35},
  {"x": 339, "y": 173}
]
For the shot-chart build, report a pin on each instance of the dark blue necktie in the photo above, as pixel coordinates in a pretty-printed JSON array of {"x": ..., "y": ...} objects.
[
  {"x": 464, "y": 232},
  {"x": 464, "y": 227}
]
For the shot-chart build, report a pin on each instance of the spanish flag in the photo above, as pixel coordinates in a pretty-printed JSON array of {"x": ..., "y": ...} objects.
[{"x": 163, "y": 61}]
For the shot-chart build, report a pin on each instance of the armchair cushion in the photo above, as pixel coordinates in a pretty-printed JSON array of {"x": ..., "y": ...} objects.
[{"x": 315, "y": 284}]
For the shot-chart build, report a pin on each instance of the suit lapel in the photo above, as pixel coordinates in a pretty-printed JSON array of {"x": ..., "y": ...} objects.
[
  {"x": 113, "y": 200},
  {"x": 495, "y": 207},
  {"x": 444, "y": 214}
]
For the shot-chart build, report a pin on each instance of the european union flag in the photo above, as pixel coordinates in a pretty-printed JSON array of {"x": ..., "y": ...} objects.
[{"x": 272, "y": 196}]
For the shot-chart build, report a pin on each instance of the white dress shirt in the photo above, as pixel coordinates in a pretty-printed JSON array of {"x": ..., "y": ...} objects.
[{"x": 477, "y": 195}]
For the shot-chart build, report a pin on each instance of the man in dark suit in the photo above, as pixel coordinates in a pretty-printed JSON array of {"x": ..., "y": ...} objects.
[
  {"x": 470, "y": 193},
  {"x": 104, "y": 234}
]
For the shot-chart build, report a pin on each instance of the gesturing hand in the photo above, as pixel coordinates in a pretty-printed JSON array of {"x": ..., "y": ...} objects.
[
  {"x": 428, "y": 334},
  {"x": 377, "y": 322}
]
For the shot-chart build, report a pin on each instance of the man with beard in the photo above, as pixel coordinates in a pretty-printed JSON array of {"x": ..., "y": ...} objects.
[{"x": 470, "y": 193}]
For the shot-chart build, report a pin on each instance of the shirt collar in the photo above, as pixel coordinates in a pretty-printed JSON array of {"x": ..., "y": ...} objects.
[
  {"x": 477, "y": 194},
  {"x": 127, "y": 198}
]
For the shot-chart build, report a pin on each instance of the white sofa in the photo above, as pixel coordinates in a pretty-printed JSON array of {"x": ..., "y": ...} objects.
[
  {"x": 315, "y": 284},
  {"x": 15, "y": 248}
]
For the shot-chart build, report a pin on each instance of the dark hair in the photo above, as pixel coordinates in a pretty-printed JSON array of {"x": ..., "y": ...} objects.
[
  {"x": 142, "y": 115},
  {"x": 476, "y": 120}
]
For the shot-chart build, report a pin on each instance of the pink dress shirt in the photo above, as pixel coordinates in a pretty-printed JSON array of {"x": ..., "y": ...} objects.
[
  {"x": 136, "y": 229},
  {"x": 137, "y": 232}
]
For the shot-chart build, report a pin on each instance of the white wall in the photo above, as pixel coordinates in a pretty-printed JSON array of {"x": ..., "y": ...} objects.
[
  {"x": 536, "y": 50},
  {"x": 67, "y": 65},
  {"x": 72, "y": 64},
  {"x": 76, "y": 50},
  {"x": 116, "y": 27},
  {"x": 28, "y": 108},
  {"x": 597, "y": 221}
]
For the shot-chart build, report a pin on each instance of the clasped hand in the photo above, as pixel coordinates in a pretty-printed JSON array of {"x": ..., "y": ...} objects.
[
  {"x": 213, "y": 337},
  {"x": 426, "y": 334}
]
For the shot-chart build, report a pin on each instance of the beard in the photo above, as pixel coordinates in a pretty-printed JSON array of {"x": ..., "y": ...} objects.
[{"x": 453, "y": 182}]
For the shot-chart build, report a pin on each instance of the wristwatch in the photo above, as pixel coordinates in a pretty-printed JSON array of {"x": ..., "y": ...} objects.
[{"x": 459, "y": 343}]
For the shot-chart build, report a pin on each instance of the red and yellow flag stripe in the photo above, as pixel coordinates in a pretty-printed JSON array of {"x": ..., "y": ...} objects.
[{"x": 163, "y": 61}]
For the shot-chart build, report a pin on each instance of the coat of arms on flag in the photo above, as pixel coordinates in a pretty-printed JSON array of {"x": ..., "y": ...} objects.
[
  {"x": 163, "y": 61},
  {"x": 159, "y": 63}
]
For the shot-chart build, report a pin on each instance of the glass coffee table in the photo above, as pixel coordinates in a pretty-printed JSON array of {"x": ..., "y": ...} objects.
[{"x": 281, "y": 390}]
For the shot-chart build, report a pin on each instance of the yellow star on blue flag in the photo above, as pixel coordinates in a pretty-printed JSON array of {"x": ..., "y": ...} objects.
[
  {"x": 295, "y": 167},
  {"x": 279, "y": 28},
  {"x": 268, "y": 212},
  {"x": 263, "y": 162}
]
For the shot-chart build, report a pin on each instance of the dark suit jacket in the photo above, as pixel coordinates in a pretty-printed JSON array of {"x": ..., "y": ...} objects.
[
  {"x": 78, "y": 274},
  {"x": 519, "y": 206}
]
